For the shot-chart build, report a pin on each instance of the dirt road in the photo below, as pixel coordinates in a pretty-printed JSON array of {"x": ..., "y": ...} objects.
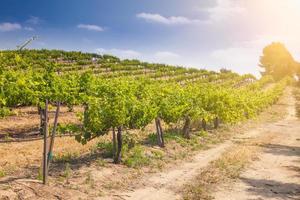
[{"x": 276, "y": 175}]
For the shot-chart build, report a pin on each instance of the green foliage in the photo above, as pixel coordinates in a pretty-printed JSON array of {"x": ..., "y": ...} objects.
[
  {"x": 40, "y": 174},
  {"x": 116, "y": 103},
  {"x": 68, "y": 128},
  {"x": 65, "y": 157},
  {"x": 106, "y": 148},
  {"x": 4, "y": 112},
  {"x": 135, "y": 157},
  {"x": 68, "y": 171},
  {"x": 132, "y": 103},
  {"x": 2, "y": 173},
  {"x": 278, "y": 62},
  {"x": 194, "y": 142},
  {"x": 130, "y": 94}
]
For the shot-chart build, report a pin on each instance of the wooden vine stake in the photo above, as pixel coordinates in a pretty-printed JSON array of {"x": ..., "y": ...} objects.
[
  {"x": 186, "y": 128},
  {"x": 159, "y": 132},
  {"x": 203, "y": 124},
  {"x": 216, "y": 122},
  {"x": 53, "y": 133},
  {"x": 45, "y": 153},
  {"x": 114, "y": 140},
  {"x": 117, "y": 159}
]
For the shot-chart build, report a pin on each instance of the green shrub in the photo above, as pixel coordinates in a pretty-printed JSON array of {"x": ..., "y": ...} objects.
[
  {"x": 135, "y": 157},
  {"x": 106, "y": 149},
  {"x": 2, "y": 173},
  {"x": 4, "y": 112}
]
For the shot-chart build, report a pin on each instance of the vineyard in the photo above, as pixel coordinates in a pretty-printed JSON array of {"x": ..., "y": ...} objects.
[{"x": 112, "y": 97}]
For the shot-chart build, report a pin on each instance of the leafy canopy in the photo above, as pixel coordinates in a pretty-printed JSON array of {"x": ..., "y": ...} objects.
[{"x": 278, "y": 62}]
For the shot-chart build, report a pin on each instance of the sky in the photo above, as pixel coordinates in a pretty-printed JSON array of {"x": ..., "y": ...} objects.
[{"x": 210, "y": 34}]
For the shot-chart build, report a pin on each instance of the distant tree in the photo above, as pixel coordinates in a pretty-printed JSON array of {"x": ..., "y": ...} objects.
[
  {"x": 278, "y": 62},
  {"x": 224, "y": 70}
]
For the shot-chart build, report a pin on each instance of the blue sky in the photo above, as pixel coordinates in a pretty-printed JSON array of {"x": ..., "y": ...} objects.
[{"x": 205, "y": 34}]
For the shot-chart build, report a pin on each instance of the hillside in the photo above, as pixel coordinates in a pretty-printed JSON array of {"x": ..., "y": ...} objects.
[
  {"x": 87, "y": 113},
  {"x": 105, "y": 66}
]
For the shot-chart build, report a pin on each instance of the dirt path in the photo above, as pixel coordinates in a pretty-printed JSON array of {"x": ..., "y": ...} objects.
[
  {"x": 280, "y": 158},
  {"x": 276, "y": 175}
]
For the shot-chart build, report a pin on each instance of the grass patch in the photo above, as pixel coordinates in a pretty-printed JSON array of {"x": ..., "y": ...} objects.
[
  {"x": 90, "y": 180},
  {"x": 134, "y": 154},
  {"x": 106, "y": 149},
  {"x": 67, "y": 172},
  {"x": 66, "y": 157},
  {"x": 135, "y": 157},
  {"x": 4, "y": 112},
  {"x": 7, "y": 138},
  {"x": 100, "y": 162},
  {"x": 228, "y": 166},
  {"x": 40, "y": 174},
  {"x": 2, "y": 173},
  {"x": 176, "y": 136}
]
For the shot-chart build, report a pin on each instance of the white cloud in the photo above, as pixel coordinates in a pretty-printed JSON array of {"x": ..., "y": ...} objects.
[
  {"x": 34, "y": 20},
  {"x": 7, "y": 26},
  {"x": 28, "y": 28},
  {"x": 224, "y": 9},
  {"x": 173, "y": 20},
  {"x": 122, "y": 53},
  {"x": 90, "y": 27}
]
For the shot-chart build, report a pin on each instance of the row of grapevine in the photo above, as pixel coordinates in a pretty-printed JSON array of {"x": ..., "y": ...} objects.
[
  {"x": 130, "y": 103},
  {"x": 124, "y": 99},
  {"x": 28, "y": 76}
]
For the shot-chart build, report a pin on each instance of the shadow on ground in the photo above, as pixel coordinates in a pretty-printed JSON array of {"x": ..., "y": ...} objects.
[
  {"x": 272, "y": 189},
  {"x": 8, "y": 180},
  {"x": 277, "y": 149}
]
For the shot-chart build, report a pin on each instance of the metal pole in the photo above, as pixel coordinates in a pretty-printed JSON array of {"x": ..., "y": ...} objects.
[{"x": 45, "y": 169}]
